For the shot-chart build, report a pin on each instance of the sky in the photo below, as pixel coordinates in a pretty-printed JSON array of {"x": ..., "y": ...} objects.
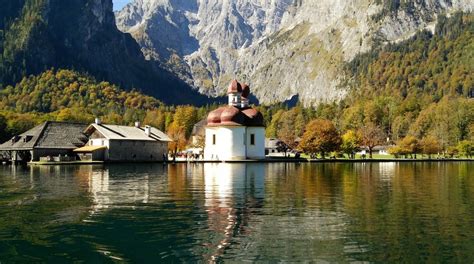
[{"x": 119, "y": 4}]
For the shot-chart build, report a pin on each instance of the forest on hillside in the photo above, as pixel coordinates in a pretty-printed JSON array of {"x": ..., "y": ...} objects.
[{"x": 66, "y": 95}]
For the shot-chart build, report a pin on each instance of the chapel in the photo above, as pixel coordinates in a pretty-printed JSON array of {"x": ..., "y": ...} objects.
[{"x": 235, "y": 131}]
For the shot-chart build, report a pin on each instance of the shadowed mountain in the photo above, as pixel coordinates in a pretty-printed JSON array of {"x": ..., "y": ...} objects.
[{"x": 36, "y": 35}]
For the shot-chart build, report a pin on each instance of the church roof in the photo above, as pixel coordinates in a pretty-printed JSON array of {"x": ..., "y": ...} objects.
[
  {"x": 233, "y": 116},
  {"x": 236, "y": 113}
]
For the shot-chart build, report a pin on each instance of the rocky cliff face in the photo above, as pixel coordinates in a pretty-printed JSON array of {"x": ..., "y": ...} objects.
[
  {"x": 79, "y": 34},
  {"x": 282, "y": 47}
]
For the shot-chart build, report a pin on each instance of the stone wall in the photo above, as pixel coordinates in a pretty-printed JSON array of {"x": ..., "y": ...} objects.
[{"x": 136, "y": 150}]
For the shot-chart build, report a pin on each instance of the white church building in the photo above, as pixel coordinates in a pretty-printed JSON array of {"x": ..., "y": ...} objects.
[{"x": 235, "y": 131}]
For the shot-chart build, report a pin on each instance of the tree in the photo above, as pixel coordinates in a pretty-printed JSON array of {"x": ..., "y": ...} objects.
[
  {"x": 429, "y": 146},
  {"x": 272, "y": 128},
  {"x": 471, "y": 132},
  {"x": 20, "y": 123},
  {"x": 3, "y": 129},
  {"x": 178, "y": 135},
  {"x": 282, "y": 147},
  {"x": 400, "y": 125},
  {"x": 466, "y": 148},
  {"x": 351, "y": 142},
  {"x": 396, "y": 151},
  {"x": 185, "y": 117},
  {"x": 286, "y": 132},
  {"x": 353, "y": 117},
  {"x": 452, "y": 151},
  {"x": 199, "y": 142},
  {"x": 74, "y": 115},
  {"x": 410, "y": 145},
  {"x": 372, "y": 135},
  {"x": 155, "y": 118},
  {"x": 320, "y": 136}
]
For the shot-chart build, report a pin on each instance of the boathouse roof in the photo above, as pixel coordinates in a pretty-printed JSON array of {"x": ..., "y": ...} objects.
[{"x": 48, "y": 135}]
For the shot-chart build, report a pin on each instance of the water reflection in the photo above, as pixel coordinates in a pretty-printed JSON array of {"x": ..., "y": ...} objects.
[
  {"x": 402, "y": 212},
  {"x": 228, "y": 215},
  {"x": 129, "y": 185}
]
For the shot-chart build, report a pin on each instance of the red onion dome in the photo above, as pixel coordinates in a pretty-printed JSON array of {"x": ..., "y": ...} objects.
[
  {"x": 245, "y": 91},
  {"x": 232, "y": 116},
  {"x": 214, "y": 117},
  {"x": 254, "y": 117},
  {"x": 234, "y": 87}
]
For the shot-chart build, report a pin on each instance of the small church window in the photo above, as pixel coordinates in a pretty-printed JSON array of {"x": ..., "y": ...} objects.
[
  {"x": 214, "y": 139},
  {"x": 252, "y": 139}
]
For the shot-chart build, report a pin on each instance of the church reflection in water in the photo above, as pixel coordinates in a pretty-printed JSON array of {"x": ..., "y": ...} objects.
[{"x": 232, "y": 192}]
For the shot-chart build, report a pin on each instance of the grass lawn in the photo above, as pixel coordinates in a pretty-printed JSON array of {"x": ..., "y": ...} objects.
[
  {"x": 374, "y": 156},
  {"x": 382, "y": 157}
]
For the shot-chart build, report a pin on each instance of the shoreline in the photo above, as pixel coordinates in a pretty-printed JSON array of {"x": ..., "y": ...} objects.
[{"x": 269, "y": 160}]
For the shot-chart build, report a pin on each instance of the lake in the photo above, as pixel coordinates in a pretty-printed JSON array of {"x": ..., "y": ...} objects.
[{"x": 286, "y": 212}]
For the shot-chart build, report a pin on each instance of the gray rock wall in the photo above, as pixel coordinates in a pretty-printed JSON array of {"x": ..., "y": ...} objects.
[{"x": 282, "y": 48}]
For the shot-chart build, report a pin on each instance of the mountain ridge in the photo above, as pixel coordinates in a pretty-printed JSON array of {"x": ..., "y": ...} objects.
[{"x": 298, "y": 46}]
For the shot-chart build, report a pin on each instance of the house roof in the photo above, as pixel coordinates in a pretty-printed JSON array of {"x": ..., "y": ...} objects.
[
  {"x": 89, "y": 149},
  {"x": 49, "y": 135},
  {"x": 115, "y": 132}
]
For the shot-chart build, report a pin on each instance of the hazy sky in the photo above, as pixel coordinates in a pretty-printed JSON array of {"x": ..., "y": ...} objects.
[{"x": 118, "y": 4}]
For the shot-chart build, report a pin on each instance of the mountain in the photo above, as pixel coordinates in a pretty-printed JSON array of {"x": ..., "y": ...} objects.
[
  {"x": 283, "y": 48},
  {"x": 36, "y": 35}
]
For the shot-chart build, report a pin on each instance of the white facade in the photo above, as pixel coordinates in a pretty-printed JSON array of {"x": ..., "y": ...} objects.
[
  {"x": 125, "y": 143},
  {"x": 257, "y": 149},
  {"x": 234, "y": 143},
  {"x": 235, "y": 131}
]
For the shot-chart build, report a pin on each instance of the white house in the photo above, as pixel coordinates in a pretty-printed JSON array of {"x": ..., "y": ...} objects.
[
  {"x": 235, "y": 131},
  {"x": 124, "y": 143}
]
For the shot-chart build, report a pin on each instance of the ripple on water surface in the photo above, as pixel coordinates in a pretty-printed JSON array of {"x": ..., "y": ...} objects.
[{"x": 404, "y": 212}]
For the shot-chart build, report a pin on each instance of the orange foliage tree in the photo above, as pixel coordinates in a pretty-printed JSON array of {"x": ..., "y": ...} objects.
[{"x": 320, "y": 136}]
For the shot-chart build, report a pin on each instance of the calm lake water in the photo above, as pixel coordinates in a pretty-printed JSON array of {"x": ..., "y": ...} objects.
[{"x": 336, "y": 212}]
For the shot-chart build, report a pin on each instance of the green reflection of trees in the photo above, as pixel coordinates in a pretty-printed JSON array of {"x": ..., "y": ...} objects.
[
  {"x": 406, "y": 212},
  {"x": 33, "y": 203},
  {"x": 301, "y": 186},
  {"x": 422, "y": 212}
]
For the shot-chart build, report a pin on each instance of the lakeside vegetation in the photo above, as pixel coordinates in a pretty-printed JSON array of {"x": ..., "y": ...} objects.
[{"x": 418, "y": 94}]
